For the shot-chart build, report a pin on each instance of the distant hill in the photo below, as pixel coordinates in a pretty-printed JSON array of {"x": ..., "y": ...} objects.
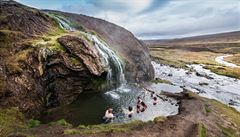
[{"x": 229, "y": 37}]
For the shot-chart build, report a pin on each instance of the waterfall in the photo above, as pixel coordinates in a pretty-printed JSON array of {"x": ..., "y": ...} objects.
[
  {"x": 109, "y": 59},
  {"x": 64, "y": 23}
]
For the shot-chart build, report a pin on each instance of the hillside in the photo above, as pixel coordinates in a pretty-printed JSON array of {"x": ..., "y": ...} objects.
[
  {"x": 43, "y": 65},
  {"x": 229, "y": 37}
]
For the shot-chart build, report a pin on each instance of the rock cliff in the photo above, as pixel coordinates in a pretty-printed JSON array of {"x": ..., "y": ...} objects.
[{"x": 44, "y": 66}]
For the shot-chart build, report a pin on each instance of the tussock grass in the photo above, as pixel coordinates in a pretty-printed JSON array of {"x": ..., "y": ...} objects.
[
  {"x": 202, "y": 131},
  {"x": 11, "y": 121}
]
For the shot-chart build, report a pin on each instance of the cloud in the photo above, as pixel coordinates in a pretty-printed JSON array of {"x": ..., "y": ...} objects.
[{"x": 157, "y": 18}]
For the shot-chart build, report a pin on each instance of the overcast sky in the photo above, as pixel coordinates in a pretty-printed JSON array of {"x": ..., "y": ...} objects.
[{"x": 151, "y": 19}]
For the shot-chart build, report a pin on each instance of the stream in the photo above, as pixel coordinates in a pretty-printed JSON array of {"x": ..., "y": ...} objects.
[
  {"x": 202, "y": 81},
  {"x": 220, "y": 60},
  {"x": 90, "y": 108}
]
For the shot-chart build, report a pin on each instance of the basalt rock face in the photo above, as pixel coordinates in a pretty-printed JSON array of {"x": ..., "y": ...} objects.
[
  {"x": 34, "y": 75},
  {"x": 86, "y": 52},
  {"x": 134, "y": 52},
  {"x": 43, "y": 66}
]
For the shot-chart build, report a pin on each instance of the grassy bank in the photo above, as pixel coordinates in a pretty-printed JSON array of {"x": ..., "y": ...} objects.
[{"x": 180, "y": 58}]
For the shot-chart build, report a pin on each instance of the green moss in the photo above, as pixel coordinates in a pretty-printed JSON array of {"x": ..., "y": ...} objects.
[
  {"x": 159, "y": 119},
  {"x": 33, "y": 123},
  {"x": 11, "y": 121},
  {"x": 56, "y": 46},
  {"x": 46, "y": 38},
  {"x": 202, "y": 131},
  {"x": 74, "y": 60},
  {"x": 228, "y": 132},
  {"x": 104, "y": 128},
  {"x": 99, "y": 83},
  {"x": 61, "y": 122}
]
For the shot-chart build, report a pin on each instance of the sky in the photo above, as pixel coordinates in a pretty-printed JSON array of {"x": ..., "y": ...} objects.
[{"x": 156, "y": 19}]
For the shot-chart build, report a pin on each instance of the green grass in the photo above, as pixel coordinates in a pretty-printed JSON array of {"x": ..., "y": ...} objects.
[
  {"x": 104, "y": 128},
  {"x": 159, "y": 119},
  {"x": 11, "y": 121},
  {"x": 61, "y": 122},
  {"x": 57, "y": 47},
  {"x": 33, "y": 123},
  {"x": 202, "y": 131},
  {"x": 229, "y": 112},
  {"x": 13, "y": 61},
  {"x": 226, "y": 71},
  {"x": 228, "y": 132}
]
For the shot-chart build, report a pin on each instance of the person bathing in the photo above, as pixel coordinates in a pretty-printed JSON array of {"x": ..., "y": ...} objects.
[
  {"x": 155, "y": 101},
  {"x": 130, "y": 112},
  {"x": 108, "y": 115},
  {"x": 144, "y": 106}
]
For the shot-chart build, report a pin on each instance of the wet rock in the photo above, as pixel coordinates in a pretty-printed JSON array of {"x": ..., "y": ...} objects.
[
  {"x": 203, "y": 83},
  {"x": 134, "y": 52},
  {"x": 87, "y": 53}
]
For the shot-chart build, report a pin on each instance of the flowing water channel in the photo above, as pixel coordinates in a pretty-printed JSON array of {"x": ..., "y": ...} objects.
[{"x": 90, "y": 108}]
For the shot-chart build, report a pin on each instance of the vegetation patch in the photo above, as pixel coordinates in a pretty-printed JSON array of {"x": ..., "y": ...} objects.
[
  {"x": 61, "y": 122},
  {"x": 13, "y": 62},
  {"x": 159, "y": 119},
  {"x": 226, "y": 71},
  {"x": 56, "y": 46},
  {"x": 228, "y": 112},
  {"x": 228, "y": 132},
  {"x": 179, "y": 58},
  {"x": 202, "y": 131},
  {"x": 234, "y": 59},
  {"x": 74, "y": 60},
  {"x": 104, "y": 128},
  {"x": 33, "y": 123},
  {"x": 11, "y": 122}
]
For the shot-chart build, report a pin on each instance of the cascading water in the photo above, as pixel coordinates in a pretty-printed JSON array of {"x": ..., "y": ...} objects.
[
  {"x": 119, "y": 98},
  {"x": 110, "y": 60},
  {"x": 64, "y": 24}
]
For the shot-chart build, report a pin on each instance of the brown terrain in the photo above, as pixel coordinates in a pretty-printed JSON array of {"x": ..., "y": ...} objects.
[
  {"x": 43, "y": 66},
  {"x": 222, "y": 42},
  {"x": 199, "y": 49}
]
